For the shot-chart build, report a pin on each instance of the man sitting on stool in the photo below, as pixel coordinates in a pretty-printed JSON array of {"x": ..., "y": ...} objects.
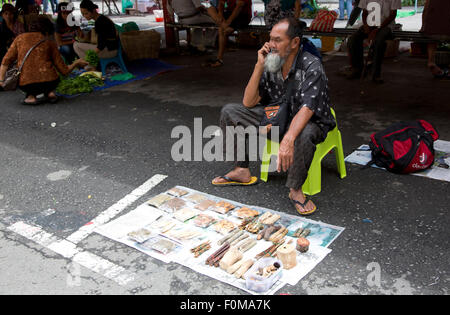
[{"x": 311, "y": 117}]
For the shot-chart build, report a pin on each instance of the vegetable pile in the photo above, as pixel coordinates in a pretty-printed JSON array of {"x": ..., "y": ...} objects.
[
  {"x": 84, "y": 83},
  {"x": 92, "y": 58}
]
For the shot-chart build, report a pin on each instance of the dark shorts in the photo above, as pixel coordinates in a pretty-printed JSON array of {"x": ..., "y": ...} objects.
[{"x": 39, "y": 88}]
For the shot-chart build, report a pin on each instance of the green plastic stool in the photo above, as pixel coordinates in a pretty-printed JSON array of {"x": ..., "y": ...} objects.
[{"x": 312, "y": 184}]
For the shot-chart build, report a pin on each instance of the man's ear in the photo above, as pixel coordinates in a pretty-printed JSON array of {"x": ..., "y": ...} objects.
[{"x": 295, "y": 42}]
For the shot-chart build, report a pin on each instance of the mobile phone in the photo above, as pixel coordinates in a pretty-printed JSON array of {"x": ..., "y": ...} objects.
[{"x": 265, "y": 53}]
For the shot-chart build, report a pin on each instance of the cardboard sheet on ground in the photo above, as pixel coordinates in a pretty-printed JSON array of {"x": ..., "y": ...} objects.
[
  {"x": 442, "y": 154},
  {"x": 151, "y": 219}
]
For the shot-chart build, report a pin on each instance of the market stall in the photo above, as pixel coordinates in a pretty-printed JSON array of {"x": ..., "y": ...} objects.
[{"x": 255, "y": 249}]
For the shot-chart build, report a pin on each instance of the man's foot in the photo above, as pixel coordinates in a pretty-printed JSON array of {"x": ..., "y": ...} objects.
[
  {"x": 215, "y": 63},
  {"x": 238, "y": 174},
  {"x": 301, "y": 203},
  {"x": 435, "y": 70}
]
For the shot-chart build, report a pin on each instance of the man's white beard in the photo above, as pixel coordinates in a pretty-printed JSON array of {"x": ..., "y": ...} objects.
[{"x": 273, "y": 62}]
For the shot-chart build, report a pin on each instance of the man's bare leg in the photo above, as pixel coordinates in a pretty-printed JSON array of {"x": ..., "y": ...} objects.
[
  {"x": 212, "y": 12},
  {"x": 435, "y": 70}
]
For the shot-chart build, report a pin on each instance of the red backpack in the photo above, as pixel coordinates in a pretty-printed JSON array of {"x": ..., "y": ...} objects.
[{"x": 404, "y": 147}]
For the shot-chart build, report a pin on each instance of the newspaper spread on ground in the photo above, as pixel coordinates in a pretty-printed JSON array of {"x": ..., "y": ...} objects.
[
  {"x": 438, "y": 170},
  {"x": 167, "y": 236}
]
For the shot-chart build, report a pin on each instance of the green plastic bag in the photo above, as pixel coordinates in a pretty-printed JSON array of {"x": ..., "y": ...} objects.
[{"x": 122, "y": 77}]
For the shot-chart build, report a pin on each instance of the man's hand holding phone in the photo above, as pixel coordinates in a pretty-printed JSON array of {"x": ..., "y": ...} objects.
[{"x": 262, "y": 53}]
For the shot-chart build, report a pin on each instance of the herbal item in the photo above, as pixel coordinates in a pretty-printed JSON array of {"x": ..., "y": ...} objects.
[
  {"x": 269, "y": 218},
  {"x": 288, "y": 255},
  {"x": 92, "y": 58},
  {"x": 302, "y": 245},
  {"x": 159, "y": 244},
  {"x": 205, "y": 205},
  {"x": 200, "y": 249},
  {"x": 224, "y": 226},
  {"x": 140, "y": 235},
  {"x": 185, "y": 214},
  {"x": 228, "y": 236},
  {"x": 159, "y": 200},
  {"x": 215, "y": 258},
  {"x": 183, "y": 234},
  {"x": 163, "y": 225},
  {"x": 223, "y": 207},
  {"x": 245, "y": 212},
  {"x": 173, "y": 205},
  {"x": 203, "y": 220},
  {"x": 164, "y": 246},
  {"x": 78, "y": 85},
  {"x": 232, "y": 256},
  {"x": 177, "y": 192},
  {"x": 196, "y": 198}
]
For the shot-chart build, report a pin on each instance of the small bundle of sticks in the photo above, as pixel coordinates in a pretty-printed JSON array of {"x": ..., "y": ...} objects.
[
  {"x": 200, "y": 249},
  {"x": 254, "y": 227},
  {"x": 278, "y": 235},
  {"x": 269, "y": 252},
  {"x": 215, "y": 258},
  {"x": 302, "y": 232}
]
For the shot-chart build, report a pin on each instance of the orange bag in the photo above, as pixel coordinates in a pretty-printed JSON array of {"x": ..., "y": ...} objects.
[{"x": 324, "y": 21}]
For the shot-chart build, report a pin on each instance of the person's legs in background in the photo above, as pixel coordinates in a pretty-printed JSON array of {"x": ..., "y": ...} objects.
[
  {"x": 82, "y": 48},
  {"x": 35, "y": 89},
  {"x": 379, "y": 51},
  {"x": 349, "y": 8},
  {"x": 54, "y": 4},
  {"x": 68, "y": 53},
  {"x": 355, "y": 51},
  {"x": 434, "y": 68},
  {"x": 45, "y": 4},
  {"x": 342, "y": 9}
]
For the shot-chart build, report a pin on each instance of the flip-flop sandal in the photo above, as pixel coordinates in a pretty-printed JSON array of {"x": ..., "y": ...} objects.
[
  {"x": 30, "y": 103},
  {"x": 213, "y": 63},
  {"x": 217, "y": 63},
  {"x": 231, "y": 182},
  {"x": 303, "y": 205},
  {"x": 52, "y": 100}
]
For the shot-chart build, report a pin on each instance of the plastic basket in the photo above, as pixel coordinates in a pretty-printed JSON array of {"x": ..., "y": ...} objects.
[{"x": 258, "y": 283}]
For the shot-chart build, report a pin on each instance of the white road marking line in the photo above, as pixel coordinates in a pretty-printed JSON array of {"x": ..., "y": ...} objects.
[
  {"x": 104, "y": 267},
  {"x": 69, "y": 250},
  {"x": 115, "y": 209}
]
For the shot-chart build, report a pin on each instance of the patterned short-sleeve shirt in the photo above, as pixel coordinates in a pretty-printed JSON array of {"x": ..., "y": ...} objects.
[{"x": 310, "y": 89}]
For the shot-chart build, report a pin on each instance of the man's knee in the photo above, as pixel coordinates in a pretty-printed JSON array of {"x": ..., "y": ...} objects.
[{"x": 229, "y": 109}]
